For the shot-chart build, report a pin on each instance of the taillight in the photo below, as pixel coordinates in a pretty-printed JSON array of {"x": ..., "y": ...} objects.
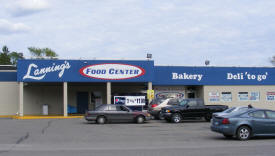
[
  {"x": 154, "y": 105},
  {"x": 225, "y": 121}
]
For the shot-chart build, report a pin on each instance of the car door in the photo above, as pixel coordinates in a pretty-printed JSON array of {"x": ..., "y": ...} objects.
[
  {"x": 192, "y": 109},
  {"x": 259, "y": 122},
  {"x": 271, "y": 119},
  {"x": 123, "y": 114},
  {"x": 111, "y": 114}
]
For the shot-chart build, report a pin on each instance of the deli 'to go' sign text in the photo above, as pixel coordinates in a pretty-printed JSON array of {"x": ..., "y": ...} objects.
[{"x": 112, "y": 71}]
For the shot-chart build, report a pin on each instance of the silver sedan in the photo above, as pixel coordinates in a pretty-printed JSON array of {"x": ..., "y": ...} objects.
[{"x": 245, "y": 124}]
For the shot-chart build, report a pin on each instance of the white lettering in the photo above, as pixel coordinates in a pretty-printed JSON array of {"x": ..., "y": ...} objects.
[
  {"x": 45, "y": 70},
  {"x": 186, "y": 76},
  {"x": 175, "y": 76}
]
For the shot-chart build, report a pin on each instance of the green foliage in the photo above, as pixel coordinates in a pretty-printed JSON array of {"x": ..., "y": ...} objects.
[
  {"x": 14, "y": 57},
  {"x": 9, "y": 58},
  {"x": 42, "y": 53}
]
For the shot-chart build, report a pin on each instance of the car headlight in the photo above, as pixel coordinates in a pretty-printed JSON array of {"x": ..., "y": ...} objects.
[{"x": 167, "y": 111}]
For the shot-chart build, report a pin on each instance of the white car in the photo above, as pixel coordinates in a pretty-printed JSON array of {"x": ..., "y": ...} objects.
[{"x": 154, "y": 108}]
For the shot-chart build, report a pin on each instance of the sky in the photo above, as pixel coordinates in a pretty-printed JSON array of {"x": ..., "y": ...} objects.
[{"x": 175, "y": 32}]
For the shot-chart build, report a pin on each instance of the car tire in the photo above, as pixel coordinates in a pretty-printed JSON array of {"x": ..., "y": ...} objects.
[
  {"x": 243, "y": 133},
  {"x": 176, "y": 118},
  {"x": 101, "y": 120},
  {"x": 208, "y": 117},
  {"x": 160, "y": 116},
  {"x": 140, "y": 119},
  {"x": 228, "y": 136}
]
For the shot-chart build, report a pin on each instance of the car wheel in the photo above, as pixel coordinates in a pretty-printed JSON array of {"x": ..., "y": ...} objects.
[
  {"x": 176, "y": 118},
  {"x": 160, "y": 116},
  {"x": 140, "y": 119},
  {"x": 208, "y": 117},
  {"x": 243, "y": 133},
  {"x": 228, "y": 136},
  {"x": 101, "y": 120}
]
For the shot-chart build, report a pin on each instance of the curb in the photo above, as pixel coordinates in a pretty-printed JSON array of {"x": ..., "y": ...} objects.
[{"x": 46, "y": 117}]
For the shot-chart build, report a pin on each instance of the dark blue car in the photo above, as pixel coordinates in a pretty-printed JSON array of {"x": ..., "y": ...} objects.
[{"x": 245, "y": 124}]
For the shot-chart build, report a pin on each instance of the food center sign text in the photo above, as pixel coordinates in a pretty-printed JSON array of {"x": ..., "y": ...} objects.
[{"x": 112, "y": 71}]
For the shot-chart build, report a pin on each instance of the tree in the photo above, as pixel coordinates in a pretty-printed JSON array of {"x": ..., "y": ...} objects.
[
  {"x": 4, "y": 56},
  {"x": 9, "y": 58},
  {"x": 272, "y": 61},
  {"x": 14, "y": 57},
  {"x": 42, "y": 53}
]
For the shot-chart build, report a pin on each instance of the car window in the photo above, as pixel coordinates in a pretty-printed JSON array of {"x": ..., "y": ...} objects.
[
  {"x": 270, "y": 114},
  {"x": 192, "y": 103},
  {"x": 101, "y": 108},
  {"x": 173, "y": 102},
  {"x": 257, "y": 114},
  {"x": 112, "y": 108},
  {"x": 229, "y": 110},
  {"x": 183, "y": 102},
  {"x": 121, "y": 108}
]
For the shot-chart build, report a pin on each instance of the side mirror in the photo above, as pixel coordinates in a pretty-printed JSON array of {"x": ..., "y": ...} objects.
[{"x": 187, "y": 106}]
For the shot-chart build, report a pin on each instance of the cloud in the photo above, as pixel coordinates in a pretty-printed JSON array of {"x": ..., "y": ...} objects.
[
  {"x": 26, "y": 7},
  {"x": 7, "y": 27}
]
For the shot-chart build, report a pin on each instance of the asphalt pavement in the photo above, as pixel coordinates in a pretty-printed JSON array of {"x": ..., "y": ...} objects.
[{"x": 71, "y": 137}]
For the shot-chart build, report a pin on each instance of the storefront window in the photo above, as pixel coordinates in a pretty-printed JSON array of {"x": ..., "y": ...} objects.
[
  {"x": 270, "y": 96},
  {"x": 243, "y": 96},
  {"x": 226, "y": 97},
  {"x": 214, "y": 96},
  {"x": 255, "y": 96}
]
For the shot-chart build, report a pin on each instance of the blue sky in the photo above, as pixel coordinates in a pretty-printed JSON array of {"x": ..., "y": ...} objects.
[{"x": 176, "y": 32}]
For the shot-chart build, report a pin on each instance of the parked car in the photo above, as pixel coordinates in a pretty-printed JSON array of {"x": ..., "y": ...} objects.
[
  {"x": 191, "y": 108},
  {"x": 154, "y": 108},
  {"x": 245, "y": 124},
  {"x": 231, "y": 110},
  {"x": 116, "y": 113}
]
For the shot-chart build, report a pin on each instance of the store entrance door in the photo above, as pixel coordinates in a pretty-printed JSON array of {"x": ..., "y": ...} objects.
[
  {"x": 82, "y": 102},
  {"x": 191, "y": 95}
]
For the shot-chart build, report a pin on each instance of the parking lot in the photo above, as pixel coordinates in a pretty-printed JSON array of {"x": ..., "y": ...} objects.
[{"x": 77, "y": 137}]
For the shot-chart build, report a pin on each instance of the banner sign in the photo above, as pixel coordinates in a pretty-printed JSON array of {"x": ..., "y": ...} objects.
[
  {"x": 170, "y": 94},
  {"x": 180, "y": 75},
  {"x": 130, "y": 100},
  {"x": 214, "y": 96},
  {"x": 270, "y": 96},
  {"x": 150, "y": 94},
  {"x": 84, "y": 71}
]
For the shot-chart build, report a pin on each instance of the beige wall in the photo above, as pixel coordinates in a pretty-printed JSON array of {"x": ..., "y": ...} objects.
[
  {"x": 36, "y": 96},
  {"x": 9, "y": 95},
  {"x": 262, "y": 103}
]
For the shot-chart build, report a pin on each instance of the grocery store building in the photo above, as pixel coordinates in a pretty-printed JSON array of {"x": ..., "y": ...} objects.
[{"x": 74, "y": 86}]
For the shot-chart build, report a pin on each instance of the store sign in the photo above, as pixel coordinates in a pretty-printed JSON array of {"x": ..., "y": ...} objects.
[
  {"x": 38, "y": 73},
  {"x": 112, "y": 71},
  {"x": 150, "y": 94},
  {"x": 85, "y": 71},
  {"x": 130, "y": 100},
  {"x": 170, "y": 94},
  {"x": 183, "y": 75}
]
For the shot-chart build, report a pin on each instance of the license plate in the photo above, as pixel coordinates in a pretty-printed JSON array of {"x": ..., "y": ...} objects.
[{"x": 216, "y": 123}]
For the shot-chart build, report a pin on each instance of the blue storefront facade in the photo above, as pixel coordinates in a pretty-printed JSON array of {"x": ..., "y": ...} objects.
[{"x": 61, "y": 83}]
